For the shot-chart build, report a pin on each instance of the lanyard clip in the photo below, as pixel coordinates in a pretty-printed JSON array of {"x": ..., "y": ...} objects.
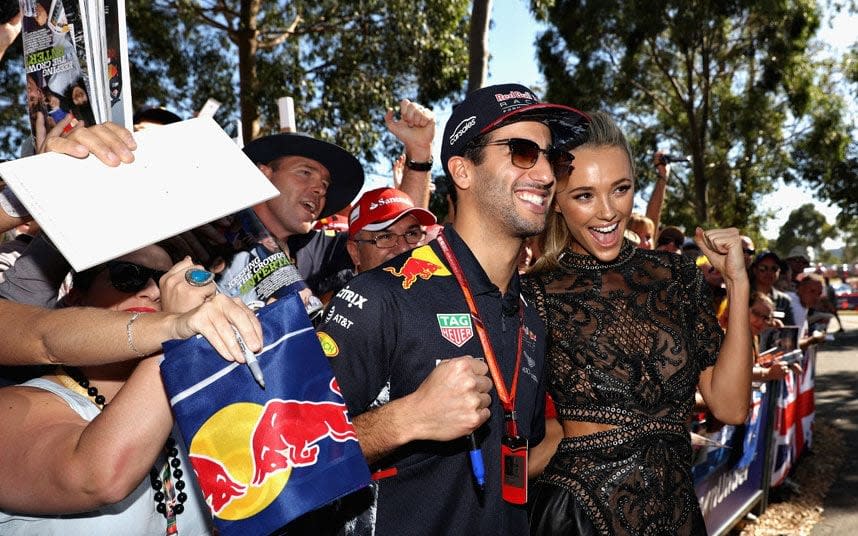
[{"x": 511, "y": 425}]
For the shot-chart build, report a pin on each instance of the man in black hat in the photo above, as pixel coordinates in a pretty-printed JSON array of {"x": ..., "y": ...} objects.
[
  {"x": 401, "y": 336},
  {"x": 318, "y": 179}
]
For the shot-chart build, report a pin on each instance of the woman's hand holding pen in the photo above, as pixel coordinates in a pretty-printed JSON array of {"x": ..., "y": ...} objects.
[{"x": 213, "y": 315}]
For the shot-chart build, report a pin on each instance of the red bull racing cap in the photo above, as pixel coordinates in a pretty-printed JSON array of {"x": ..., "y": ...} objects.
[
  {"x": 494, "y": 106},
  {"x": 346, "y": 172},
  {"x": 380, "y": 208}
]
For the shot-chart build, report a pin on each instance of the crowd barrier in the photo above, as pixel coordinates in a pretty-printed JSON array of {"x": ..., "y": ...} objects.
[{"x": 734, "y": 472}]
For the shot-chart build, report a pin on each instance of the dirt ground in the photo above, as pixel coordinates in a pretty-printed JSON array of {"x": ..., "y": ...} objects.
[{"x": 794, "y": 509}]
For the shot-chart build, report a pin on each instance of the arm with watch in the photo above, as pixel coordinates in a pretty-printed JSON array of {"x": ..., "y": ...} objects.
[{"x": 415, "y": 128}]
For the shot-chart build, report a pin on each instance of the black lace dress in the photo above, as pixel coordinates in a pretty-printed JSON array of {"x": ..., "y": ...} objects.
[{"x": 627, "y": 342}]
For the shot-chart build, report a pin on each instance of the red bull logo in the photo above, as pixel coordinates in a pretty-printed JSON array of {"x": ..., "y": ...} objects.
[
  {"x": 219, "y": 487},
  {"x": 288, "y": 431},
  {"x": 243, "y": 455},
  {"x": 423, "y": 263}
]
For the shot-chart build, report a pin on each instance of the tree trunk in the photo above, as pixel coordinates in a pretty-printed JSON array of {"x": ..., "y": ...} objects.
[
  {"x": 247, "y": 83},
  {"x": 478, "y": 46}
]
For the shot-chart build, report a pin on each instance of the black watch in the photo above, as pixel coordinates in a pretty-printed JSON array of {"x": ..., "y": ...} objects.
[{"x": 419, "y": 166}]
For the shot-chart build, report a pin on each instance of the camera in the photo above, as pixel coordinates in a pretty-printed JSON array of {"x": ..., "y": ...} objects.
[{"x": 674, "y": 159}]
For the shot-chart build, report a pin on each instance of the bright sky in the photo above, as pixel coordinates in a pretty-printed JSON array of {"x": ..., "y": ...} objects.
[{"x": 513, "y": 59}]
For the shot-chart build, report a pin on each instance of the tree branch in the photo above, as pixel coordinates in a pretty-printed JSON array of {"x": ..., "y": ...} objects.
[{"x": 265, "y": 42}]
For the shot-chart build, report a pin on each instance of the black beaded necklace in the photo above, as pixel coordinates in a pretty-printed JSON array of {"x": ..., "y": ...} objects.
[{"x": 170, "y": 449}]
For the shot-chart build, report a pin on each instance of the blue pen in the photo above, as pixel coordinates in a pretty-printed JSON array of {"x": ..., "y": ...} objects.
[{"x": 477, "y": 466}]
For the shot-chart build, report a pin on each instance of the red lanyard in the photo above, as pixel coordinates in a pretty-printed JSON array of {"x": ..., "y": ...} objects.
[{"x": 507, "y": 398}]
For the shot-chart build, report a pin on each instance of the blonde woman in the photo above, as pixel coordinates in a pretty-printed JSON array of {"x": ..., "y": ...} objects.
[{"x": 631, "y": 336}]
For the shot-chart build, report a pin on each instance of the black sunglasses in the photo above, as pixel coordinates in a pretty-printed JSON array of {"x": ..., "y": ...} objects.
[
  {"x": 130, "y": 277},
  {"x": 524, "y": 154}
]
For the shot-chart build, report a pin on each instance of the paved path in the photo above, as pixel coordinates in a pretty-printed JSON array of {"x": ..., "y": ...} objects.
[{"x": 837, "y": 403}]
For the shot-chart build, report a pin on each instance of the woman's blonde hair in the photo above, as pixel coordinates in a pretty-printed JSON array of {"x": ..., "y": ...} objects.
[
  {"x": 639, "y": 222},
  {"x": 602, "y": 132}
]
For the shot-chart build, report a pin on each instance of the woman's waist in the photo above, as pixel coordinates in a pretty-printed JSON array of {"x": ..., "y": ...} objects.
[
  {"x": 616, "y": 415},
  {"x": 587, "y": 434}
]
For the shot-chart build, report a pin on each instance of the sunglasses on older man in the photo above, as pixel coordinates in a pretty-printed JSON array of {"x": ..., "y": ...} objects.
[
  {"x": 524, "y": 154},
  {"x": 130, "y": 277}
]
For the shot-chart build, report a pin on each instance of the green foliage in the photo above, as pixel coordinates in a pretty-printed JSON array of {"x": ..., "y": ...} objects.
[
  {"x": 13, "y": 103},
  {"x": 732, "y": 84},
  {"x": 804, "y": 227},
  {"x": 343, "y": 63},
  {"x": 849, "y": 232}
]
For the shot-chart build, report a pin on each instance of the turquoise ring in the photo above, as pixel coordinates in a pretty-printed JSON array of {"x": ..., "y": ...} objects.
[{"x": 198, "y": 278}]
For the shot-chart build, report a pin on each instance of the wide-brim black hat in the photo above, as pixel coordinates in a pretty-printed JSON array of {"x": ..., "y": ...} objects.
[{"x": 347, "y": 175}]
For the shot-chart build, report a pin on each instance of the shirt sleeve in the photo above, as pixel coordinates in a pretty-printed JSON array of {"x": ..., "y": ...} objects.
[
  {"x": 36, "y": 276},
  {"x": 358, "y": 334},
  {"x": 322, "y": 260},
  {"x": 11, "y": 205}
]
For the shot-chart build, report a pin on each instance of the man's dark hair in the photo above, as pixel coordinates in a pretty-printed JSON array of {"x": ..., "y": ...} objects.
[
  {"x": 161, "y": 116},
  {"x": 475, "y": 150},
  {"x": 671, "y": 234},
  {"x": 8, "y": 9}
]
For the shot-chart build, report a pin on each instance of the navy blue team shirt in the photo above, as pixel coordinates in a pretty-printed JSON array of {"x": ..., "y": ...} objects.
[{"x": 384, "y": 333}]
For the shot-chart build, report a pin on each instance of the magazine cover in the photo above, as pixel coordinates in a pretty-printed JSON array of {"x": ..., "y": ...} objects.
[
  {"x": 76, "y": 63},
  {"x": 782, "y": 338},
  {"x": 256, "y": 266},
  {"x": 56, "y": 83}
]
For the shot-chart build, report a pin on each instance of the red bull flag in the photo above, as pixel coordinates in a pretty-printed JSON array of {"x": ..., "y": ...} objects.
[{"x": 264, "y": 457}]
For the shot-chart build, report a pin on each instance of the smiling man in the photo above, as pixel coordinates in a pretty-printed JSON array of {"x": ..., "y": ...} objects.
[
  {"x": 318, "y": 179},
  {"x": 403, "y": 338}
]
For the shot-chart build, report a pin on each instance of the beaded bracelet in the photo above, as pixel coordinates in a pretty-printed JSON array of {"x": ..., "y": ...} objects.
[{"x": 129, "y": 332}]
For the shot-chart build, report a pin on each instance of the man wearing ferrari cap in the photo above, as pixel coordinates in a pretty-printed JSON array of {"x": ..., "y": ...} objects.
[
  {"x": 404, "y": 338},
  {"x": 384, "y": 223}
]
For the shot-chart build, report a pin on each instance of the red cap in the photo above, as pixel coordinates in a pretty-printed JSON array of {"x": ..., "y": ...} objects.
[{"x": 380, "y": 208}]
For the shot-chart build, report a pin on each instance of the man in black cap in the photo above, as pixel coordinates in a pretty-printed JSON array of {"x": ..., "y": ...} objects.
[
  {"x": 318, "y": 179},
  {"x": 401, "y": 336}
]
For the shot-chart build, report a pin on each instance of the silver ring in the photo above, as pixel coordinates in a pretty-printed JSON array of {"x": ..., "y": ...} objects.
[{"x": 197, "y": 277}]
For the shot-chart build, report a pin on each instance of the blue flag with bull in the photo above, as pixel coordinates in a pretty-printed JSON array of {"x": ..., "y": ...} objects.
[{"x": 264, "y": 457}]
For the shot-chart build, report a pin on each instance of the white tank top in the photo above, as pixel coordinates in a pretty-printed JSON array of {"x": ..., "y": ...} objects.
[{"x": 134, "y": 515}]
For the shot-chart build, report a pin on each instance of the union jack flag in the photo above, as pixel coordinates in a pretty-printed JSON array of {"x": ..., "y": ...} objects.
[{"x": 793, "y": 428}]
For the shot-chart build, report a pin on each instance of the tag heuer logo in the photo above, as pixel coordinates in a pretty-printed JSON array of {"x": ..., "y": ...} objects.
[{"x": 456, "y": 328}]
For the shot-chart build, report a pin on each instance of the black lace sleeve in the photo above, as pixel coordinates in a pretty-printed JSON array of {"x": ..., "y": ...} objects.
[{"x": 706, "y": 335}]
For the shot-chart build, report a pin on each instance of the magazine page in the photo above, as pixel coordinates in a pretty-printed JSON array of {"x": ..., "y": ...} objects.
[
  {"x": 782, "y": 339},
  {"x": 118, "y": 73},
  {"x": 92, "y": 15},
  {"x": 82, "y": 104},
  {"x": 55, "y": 81}
]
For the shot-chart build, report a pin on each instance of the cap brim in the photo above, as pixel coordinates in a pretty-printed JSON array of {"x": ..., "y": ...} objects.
[
  {"x": 424, "y": 217},
  {"x": 568, "y": 125},
  {"x": 346, "y": 172}
]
